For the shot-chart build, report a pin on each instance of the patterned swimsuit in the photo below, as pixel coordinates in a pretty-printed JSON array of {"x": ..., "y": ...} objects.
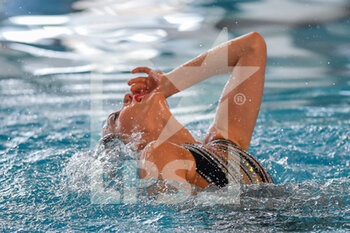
[{"x": 221, "y": 162}]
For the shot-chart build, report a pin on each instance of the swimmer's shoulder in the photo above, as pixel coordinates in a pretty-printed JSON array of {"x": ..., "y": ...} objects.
[{"x": 166, "y": 154}]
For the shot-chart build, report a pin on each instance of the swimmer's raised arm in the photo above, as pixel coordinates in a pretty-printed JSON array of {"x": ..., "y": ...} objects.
[{"x": 219, "y": 60}]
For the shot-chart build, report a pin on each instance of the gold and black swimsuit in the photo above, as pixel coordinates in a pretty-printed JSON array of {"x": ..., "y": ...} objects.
[{"x": 221, "y": 162}]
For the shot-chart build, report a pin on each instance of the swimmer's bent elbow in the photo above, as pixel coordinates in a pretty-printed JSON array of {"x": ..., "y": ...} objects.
[
  {"x": 251, "y": 43},
  {"x": 258, "y": 43}
]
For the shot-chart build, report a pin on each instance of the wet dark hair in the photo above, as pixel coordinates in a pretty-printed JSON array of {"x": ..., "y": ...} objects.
[{"x": 106, "y": 140}]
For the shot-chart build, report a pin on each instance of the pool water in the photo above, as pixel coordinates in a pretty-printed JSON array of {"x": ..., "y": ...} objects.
[{"x": 64, "y": 67}]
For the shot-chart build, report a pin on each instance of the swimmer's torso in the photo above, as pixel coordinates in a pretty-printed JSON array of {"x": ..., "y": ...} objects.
[{"x": 217, "y": 163}]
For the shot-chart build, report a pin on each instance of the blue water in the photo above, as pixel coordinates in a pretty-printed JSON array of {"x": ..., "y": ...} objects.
[{"x": 63, "y": 71}]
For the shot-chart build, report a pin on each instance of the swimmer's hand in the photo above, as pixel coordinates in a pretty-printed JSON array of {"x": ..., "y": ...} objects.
[{"x": 156, "y": 81}]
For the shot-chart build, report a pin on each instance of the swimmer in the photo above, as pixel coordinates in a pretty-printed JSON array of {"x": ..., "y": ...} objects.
[{"x": 167, "y": 149}]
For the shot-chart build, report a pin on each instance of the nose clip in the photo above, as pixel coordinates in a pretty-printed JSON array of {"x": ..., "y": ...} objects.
[{"x": 136, "y": 97}]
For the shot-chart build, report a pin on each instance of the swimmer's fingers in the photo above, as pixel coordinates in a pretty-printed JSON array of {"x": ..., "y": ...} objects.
[
  {"x": 139, "y": 88},
  {"x": 147, "y": 83},
  {"x": 155, "y": 79},
  {"x": 138, "y": 80},
  {"x": 141, "y": 70},
  {"x": 144, "y": 80}
]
